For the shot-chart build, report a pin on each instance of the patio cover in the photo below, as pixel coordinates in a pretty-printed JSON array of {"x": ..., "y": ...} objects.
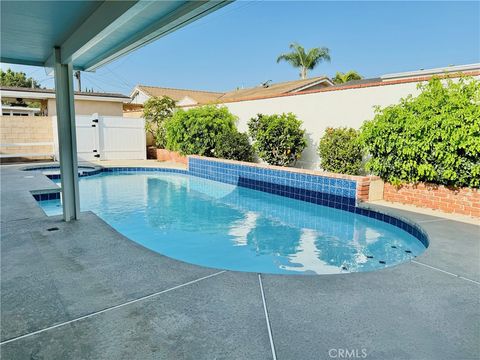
[{"x": 84, "y": 35}]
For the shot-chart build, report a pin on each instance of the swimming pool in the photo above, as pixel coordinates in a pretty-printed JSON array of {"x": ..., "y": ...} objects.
[{"x": 232, "y": 227}]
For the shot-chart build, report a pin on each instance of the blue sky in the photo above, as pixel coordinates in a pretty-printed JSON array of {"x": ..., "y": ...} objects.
[{"x": 238, "y": 45}]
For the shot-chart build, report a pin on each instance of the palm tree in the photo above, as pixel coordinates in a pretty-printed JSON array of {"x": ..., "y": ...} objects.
[
  {"x": 341, "y": 78},
  {"x": 305, "y": 60}
]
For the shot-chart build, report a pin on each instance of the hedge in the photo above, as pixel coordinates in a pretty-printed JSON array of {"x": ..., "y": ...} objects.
[
  {"x": 434, "y": 137},
  {"x": 278, "y": 139}
]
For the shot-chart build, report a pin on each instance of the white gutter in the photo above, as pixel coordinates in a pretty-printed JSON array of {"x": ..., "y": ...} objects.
[
  {"x": 46, "y": 95},
  {"x": 22, "y": 108}
]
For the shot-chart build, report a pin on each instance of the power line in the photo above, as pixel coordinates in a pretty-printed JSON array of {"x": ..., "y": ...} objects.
[
  {"x": 93, "y": 82},
  {"x": 114, "y": 85},
  {"x": 120, "y": 78}
]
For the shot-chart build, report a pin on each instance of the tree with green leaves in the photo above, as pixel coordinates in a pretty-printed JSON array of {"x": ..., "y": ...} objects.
[
  {"x": 197, "y": 131},
  {"x": 305, "y": 60},
  {"x": 434, "y": 137},
  {"x": 278, "y": 139},
  {"x": 17, "y": 79},
  {"x": 156, "y": 111},
  {"x": 341, "y": 151},
  {"x": 342, "y": 78}
]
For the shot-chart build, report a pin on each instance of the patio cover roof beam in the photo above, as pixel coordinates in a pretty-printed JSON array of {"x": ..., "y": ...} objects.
[
  {"x": 107, "y": 18},
  {"x": 163, "y": 26},
  {"x": 106, "y": 35}
]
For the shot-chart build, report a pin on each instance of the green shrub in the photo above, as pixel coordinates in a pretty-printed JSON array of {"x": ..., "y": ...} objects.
[
  {"x": 278, "y": 139},
  {"x": 156, "y": 112},
  {"x": 434, "y": 137},
  {"x": 196, "y": 131},
  {"x": 234, "y": 146},
  {"x": 340, "y": 151}
]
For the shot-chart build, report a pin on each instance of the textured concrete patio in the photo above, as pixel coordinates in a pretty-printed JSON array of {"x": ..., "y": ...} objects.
[{"x": 84, "y": 291}]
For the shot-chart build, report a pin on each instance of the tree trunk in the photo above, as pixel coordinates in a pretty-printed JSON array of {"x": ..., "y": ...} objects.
[{"x": 303, "y": 73}]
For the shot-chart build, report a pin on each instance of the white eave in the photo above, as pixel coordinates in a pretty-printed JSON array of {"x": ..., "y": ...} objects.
[
  {"x": 16, "y": 94},
  {"x": 315, "y": 83},
  {"x": 137, "y": 90},
  {"x": 22, "y": 108}
]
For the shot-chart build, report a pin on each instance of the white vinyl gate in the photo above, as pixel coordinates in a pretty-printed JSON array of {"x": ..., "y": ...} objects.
[{"x": 107, "y": 138}]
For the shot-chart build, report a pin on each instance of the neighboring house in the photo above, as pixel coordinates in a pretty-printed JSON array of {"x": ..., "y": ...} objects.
[
  {"x": 344, "y": 105},
  {"x": 182, "y": 97},
  {"x": 319, "y": 104},
  {"x": 190, "y": 98},
  {"x": 28, "y": 126},
  {"x": 416, "y": 75},
  {"x": 15, "y": 102},
  {"x": 469, "y": 69},
  {"x": 274, "y": 89}
]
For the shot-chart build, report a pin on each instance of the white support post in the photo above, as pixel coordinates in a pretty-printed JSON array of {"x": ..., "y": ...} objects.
[{"x": 67, "y": 140}]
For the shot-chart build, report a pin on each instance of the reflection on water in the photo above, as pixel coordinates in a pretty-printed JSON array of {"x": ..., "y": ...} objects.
[
  {"x": 240, "y": 229},
  {"x": 224, "y": 226},
  {"x": 308, "y": 257}
]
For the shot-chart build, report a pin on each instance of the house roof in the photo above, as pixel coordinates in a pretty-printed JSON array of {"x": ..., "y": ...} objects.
[
  {"x": 29, "y": 93},
  {"x": 298, "y": 87},
  {"x": 209, "y": 97},
  {"x": 359, "y": 82},
  {"x": 275, "y": 89},
  {"x": 201, "y": 97}
]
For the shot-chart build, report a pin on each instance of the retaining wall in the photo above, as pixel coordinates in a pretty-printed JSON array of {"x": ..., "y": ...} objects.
[
  {"x": 26, "y": 129},
  {"x": 464, "y": 201}
]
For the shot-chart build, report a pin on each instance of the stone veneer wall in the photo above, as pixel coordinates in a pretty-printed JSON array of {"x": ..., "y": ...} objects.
[{"x": 464, "y": 201}]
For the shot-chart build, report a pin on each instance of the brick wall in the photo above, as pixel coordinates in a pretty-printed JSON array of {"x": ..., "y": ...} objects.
[
  {"x": 464, "y": 201},
  {"x": 26, "y": 129}
]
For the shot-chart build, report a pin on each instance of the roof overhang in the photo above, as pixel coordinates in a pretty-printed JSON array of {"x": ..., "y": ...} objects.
[
  {"x": 36, "y": 95},
  {"x": 24, "y": 108},
  {"x": 90, "y": 33},
  {"x": 325, "y": 80}
]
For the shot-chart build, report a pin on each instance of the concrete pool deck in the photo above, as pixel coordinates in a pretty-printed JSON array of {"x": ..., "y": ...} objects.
[{"x": 84, "y": 291}]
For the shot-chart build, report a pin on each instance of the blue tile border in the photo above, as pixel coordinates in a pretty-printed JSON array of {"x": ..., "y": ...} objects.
[
  {"x": 322, "y": 190},
  {"x": 332, "y": 192},
  {"x": 143, "y": 169},
  {"x": 47, "y": 196},
  {"x": 402, "y": 223}
]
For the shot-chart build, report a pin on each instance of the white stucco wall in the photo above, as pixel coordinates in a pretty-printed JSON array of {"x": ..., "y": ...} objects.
[{"x": 321, "y": 110}]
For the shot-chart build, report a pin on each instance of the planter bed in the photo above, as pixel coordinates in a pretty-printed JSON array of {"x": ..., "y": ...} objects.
[
  {"x": 464, "y": 201},
  {"x": 167, "y": 155}
]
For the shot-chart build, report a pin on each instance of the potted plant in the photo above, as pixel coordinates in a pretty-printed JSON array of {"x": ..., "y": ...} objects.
[{"x": 156, "y": 111}]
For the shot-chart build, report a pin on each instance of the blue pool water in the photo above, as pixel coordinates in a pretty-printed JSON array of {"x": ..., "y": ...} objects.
[{"x": 229, "y": 227}]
